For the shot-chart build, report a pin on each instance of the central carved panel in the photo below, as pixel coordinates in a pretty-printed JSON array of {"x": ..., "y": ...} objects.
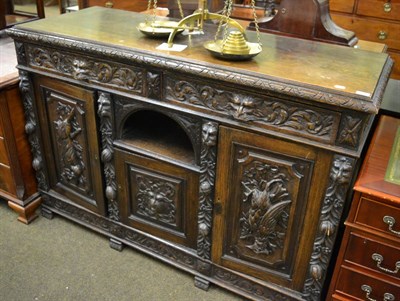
[{"x": 155, "y": 197}]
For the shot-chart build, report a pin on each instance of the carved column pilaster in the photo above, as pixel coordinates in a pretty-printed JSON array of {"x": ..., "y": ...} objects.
[
  {"x": 339, "y": 182},
  {"x": 31, "y": 129},
  {"x": 207, "y": 182},
  {"x": 107, "y": 153}
]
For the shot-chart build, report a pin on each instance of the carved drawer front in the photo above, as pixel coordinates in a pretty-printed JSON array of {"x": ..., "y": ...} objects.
[
  {"x": 158, "y": 198},
  {"x": 373, "y": 255},
  {"x": 359, "y": 286},
  {"x": 68, "y": 122},
  {"x": 345, "y": 6},
  {"x": 371, "y": 30},
  {"x": 378, "y": 216},
  {"x": 386, "y": 9},
  {"x": 264, "y": 204}
]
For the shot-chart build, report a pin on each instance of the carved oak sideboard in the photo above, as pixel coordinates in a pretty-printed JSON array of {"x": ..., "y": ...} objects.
[{"x": 236, "y": 172}]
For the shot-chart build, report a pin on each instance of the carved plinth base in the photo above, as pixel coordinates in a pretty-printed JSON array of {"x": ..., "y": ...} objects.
[
  {"x": 116, "y": 245},
  {"x": 26, "y": 213},
  {"x": 201, "y": 283},
  {"x": 47, "y": 213}
]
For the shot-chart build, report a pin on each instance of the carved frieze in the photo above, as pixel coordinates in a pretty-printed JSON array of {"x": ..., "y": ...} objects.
[
  {"x": 255, "y": 290},
  {"x": 331, "y": 211},
  {"x": 87, "y": 69},
  {"x": 206, "y": 195},
  {"x": 107, "y": 153},
  {"x": 67, "y": 130},
  {"x": 246, "y": 107},
  {"x": 265, "y": 207},
  {"x": 31, "y": 128},
  {"x": 157, "y": 199}
]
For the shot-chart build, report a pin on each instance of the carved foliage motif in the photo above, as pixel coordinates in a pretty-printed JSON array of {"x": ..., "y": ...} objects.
[
  {"x": 351, "y": 131},
  {"x": 206, "y": 195},
  {"x": 107, "y": 153},
  {"x": 248, "y": 108},
  {"x": 258, "y": 291},
  {"x": 67, "y": 130},
  {"x": 31, "y": 130},
  {"x": 265, "y": 205},
  {"x": 86, "y": 69},
  {"x": 332, "y": 207},
  {"x": 156, "y": 199},
  {"x": 20, "y": 50}
]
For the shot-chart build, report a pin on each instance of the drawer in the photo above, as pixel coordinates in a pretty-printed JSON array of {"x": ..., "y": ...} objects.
[
  {"x": 371, "y": 30},
  {"x": 373, "y": 255},
  {"x": 7, "y": 183},
  {"x": 385, "y": 9},
  {"x": 344, "y": 6},
  {"x": 4, "y": 159},
  {"x": 372, "y": 213},
  {"x": 354, "y": 284}
]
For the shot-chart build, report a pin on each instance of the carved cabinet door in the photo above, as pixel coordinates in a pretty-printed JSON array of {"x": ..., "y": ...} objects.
[
  {"x": 67, "y": 118},
  {"x": 267, "y": 201},
  {"x": 157, "y": 197}
]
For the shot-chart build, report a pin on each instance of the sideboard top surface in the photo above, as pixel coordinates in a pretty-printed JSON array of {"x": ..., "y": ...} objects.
[{"x": 328, "y": 67}]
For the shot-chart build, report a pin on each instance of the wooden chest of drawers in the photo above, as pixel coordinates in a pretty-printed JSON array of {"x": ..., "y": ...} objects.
[
  {"x": 372, "y": 20},
  {"x": 17, "y": 180},
  {"x": 368, "y": 265}
]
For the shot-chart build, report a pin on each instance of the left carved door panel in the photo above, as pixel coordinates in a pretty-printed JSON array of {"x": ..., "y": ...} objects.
[{"x": 67, "y": 118}]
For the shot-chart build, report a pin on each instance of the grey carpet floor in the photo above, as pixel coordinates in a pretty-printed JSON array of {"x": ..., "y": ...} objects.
[{"x": 54, "y": 260}]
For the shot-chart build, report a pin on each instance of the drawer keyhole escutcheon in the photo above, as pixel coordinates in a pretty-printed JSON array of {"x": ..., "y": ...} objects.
[
  {"x": 389, "y": 220},
  {"x": 382, "y": 35},
  {"x": 387, "y": 7},
  {"x": 368, "y": 290},
  {"x": 379, "y": 259}
]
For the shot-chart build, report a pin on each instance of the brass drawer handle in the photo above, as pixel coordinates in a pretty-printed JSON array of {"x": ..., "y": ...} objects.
[
  {"x": 109, "y": 4},
  {"x": 379, "y": 259},
  {"x": 382, "y": 35},
  {"x": 387, "y": 7},
  {"x": 390, "y": 221},
  {"x": 368, "y": 290}
]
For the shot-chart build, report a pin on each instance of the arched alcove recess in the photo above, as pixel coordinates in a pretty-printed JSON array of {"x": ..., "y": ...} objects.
[{"x": 158, "y": 134}]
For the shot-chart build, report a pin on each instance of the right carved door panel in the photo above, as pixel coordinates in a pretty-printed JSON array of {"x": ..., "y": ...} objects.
[{"x": 264, "y": 205}]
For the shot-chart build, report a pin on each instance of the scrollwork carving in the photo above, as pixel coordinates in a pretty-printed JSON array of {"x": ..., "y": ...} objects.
[
  {"x": 207, "y": 179},
  {"x": 332, "y": 207},
  {"x": 266, "y": 201},
  {"x": 107, "y": 153},
  {"x": 86, "y": 69},
  {"x": 249, "y": 108},
  {"x": 256, "y": 290},
  {"x": 31, "y": 127}
]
